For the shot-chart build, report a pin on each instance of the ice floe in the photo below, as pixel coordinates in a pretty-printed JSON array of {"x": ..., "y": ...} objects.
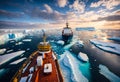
[
  {"x": 9, "y": 56},
  {"x": 9, "y": 51},
  {"x": 27, "y": 40},
  {"x": 108, "y": 74},
  {"x": 85, "y": 29},
  {"x": 61, "y": 42},
  {"x": 18, "y": 61},
  {"x": 83, "y": 57},
  {"x": 28, "y": 48},
  {"x": 52, "y": 41},
  {"x": 80, "y": 43},
  {"x": 107, "y": 46},
  {"x": 2, "y": 51},
  {"x": 114, "y": 38},
  {"x": 3, "y": 39},
  {"x": 19, "y": 36},
  {"x": 19, "y": 43},
  {"x": 76, "y": 75}
]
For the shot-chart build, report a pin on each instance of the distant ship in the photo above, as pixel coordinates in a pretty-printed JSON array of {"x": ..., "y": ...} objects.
[
  {"x": 67, "y": 34},
  {"x": 41, "y": 66}
]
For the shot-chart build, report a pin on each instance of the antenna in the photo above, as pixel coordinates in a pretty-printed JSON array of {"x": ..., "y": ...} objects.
[
  {"x": 67, "y": 23},
  {"x": 44, "y": 36}
]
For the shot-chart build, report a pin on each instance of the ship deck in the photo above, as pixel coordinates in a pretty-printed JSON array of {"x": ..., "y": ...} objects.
[{"x": 39, "y": 75}]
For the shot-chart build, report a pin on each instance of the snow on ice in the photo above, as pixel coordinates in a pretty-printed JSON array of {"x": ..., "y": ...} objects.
[
  {"x": 108, "y": 74},
  {"x": 114, "y": 38},
  {"x": 83, "y": 56},
  {"x": 27, "y": 40},
  {"x": 2, "y": 51},
  {"x": 7, "y": 57},
  {"x": 107, "y": 46},
  {"x": 76, "y": 75},
  {"x": 18, "y": 61},
  {"x": 60, "y": 42}
]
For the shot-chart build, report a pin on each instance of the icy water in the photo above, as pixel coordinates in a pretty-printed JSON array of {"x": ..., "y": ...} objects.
[{"x": 73, "y": 69}]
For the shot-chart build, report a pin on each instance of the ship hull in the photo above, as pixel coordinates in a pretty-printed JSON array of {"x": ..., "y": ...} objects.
[
  {"x": 67, "y": 38},
  {"x": 38, "y": 75}
]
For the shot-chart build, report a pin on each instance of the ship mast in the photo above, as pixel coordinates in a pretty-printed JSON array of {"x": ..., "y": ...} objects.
[
  {"x": 44, "y": 46},
  {"x": 67, "y": 24},
  {"x": 44, "y": 37}
]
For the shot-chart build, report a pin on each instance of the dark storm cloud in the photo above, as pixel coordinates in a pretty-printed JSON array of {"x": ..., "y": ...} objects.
[
  {"x": 108, "y": 18},
  {"x": 9, "y": 14},
  {"x": 111, "y": 18},
  {"x": 7, "y": 24},
  {"x": 43, "y": 14}
]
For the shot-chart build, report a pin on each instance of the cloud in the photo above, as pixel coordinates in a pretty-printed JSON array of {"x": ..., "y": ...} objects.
[
  {"x": 62, "y": 3},
  {"x": 17, "y": 25},
  {"x": 109, "y": 18},
  {"x": 117, "y": 12},
  {"x": 9, "y": 14},
  {"x": 48, "y": 8},
  {"x": 89, "y": 16},
  {"x": 100, "y": 15},
  {"x": 109, "y": 4},
  {"x": 78, "y": 6},
  {"x": 96, "y": 4},
  {"x": 47, "y": 14},
  {"x": 112, "y": 24}
]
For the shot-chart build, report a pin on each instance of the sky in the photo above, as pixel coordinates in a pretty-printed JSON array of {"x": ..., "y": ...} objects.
[{"x": 55, "y": 13}]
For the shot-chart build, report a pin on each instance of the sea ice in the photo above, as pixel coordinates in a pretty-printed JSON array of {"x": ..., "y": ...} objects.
[
  {"x": 76, "y": 75},
  {"x": 80, "y": 43},
  {"x": 7, "y": 57},
  {"x": 60, "y": 42},
  {"x": 9, "y": 51},
  {"x": 85, "y": 29},
  {"x": 27, "y": 40},
  {"x": 28, "y": 48},
  {"x": 18, "y": 61},
  {"x": 2, "y": 51},
  {"x": 65, "y": 71},
  {"x": 107, "y": 46},
  {"x": 114, "y": 38},
  {"x": 83, "y": 57},
  {"x": 19, "y": 43},
  {"x": 51, "y": 40},
  {"x": 108, "y": 74},
  {"x": 3, "y": 39}
]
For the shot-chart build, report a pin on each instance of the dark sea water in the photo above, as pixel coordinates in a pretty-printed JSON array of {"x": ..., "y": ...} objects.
[{"x": 89, "y": 70}]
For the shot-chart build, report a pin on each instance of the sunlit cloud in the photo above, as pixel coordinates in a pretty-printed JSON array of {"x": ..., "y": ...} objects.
[
  {"x": 48, "y": 8},
  {"x": 78, "y": 6},
  {"x": 62, "y": 3},
  {"x": 109, "y": 4},
  {"x": 54, "y": 14}
]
